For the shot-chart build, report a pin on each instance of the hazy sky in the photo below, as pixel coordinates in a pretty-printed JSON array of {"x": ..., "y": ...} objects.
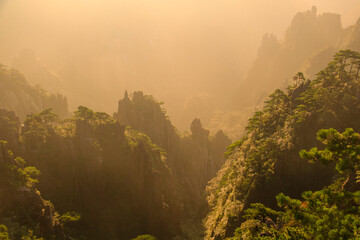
[
  {"x": 47, "y": 24},
  {"x": 172, "y": 49}
]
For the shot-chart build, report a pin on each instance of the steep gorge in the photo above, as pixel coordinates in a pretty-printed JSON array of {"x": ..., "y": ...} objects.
[
  {"x": 120, "y": 181},
  {"x": 193, "y": 158}
]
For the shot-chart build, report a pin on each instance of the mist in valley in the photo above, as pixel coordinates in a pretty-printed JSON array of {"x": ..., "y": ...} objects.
[
  {"x": 192, "y": 55},
  {"x": 179, "y": 119}
]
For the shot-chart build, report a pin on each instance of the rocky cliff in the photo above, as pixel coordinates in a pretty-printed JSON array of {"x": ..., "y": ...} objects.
[
  {"x": 115, "y": 177},
  {"x": 192, "y": 158},
  {"x": 309, "y": 44}
]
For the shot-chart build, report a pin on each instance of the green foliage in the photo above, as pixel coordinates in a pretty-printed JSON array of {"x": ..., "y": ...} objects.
[
  {"x": 30, "y": 175},
  {"x": 95, "y": 119},
  {"x": 15, "y": 173},
  {"x": 4, "y": 235},
  {"x": 26, "y": 177},
  {"x": 144, "y": 237},
  {"x": 70, "y": 217},
  {"x": 102, "y": 171},
  {"x": 331, "y": 213},
  {"x": 84, "y": 113},
  {"x": 299, "y": 78},
  {"x": 20, "y": 161},
  {"x": 266, "y": 159},
  {"x": 43, "y": 118},
  {"x": 38, "y": 127},
  {"x": 341, "y": 148},
  {"x": 135, "y": 138},
  {"x": 258, "y": 210},
  {"x": 30, "y": 236},
  {"x": 22, "y": 210},
  {"x": 146, "y": 115},
  {"x": 233, "y": 146},
  {"x": 9, "y": 126}
]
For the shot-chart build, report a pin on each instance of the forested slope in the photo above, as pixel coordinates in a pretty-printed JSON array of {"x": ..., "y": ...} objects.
[
  {"x": 120, "y": 182},
  {"x": 266, "y": 161},
  {"x": 330, "y": 213},
  {"x": 115, "y": 178},
  {"x": 18, "y": 96},
  {"x": 24, "y": 214}
]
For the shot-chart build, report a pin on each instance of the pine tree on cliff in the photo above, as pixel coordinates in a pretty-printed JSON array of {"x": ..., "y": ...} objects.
[{"x": 331, "y": 213}]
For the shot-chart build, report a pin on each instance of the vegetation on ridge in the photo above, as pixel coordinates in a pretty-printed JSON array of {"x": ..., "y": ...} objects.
[
  {"x": 266, "y": 162},
  {"x": 17, "y": 95},
  {"x": 331, "y": 213}
]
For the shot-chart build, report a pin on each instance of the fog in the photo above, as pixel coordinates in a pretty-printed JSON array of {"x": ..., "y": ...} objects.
[{"x": 189, "y": 54}]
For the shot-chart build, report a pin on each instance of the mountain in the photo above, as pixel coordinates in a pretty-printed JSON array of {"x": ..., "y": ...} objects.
[
  {"x": 37, "y": 73},
  {"x": 193, "y": 158},
  {"x": 349, "y": 39},
  {"x": 266, "y": 161},
  {"x": 17, "y": 95},
  {"x": 308, "y": 45},
  {"x": 112, "y": 178}
]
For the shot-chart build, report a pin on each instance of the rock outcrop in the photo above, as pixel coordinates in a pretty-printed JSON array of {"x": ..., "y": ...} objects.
[
  {"x": 192, "y": 158},
  {"x": 309, "y": 44}
]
